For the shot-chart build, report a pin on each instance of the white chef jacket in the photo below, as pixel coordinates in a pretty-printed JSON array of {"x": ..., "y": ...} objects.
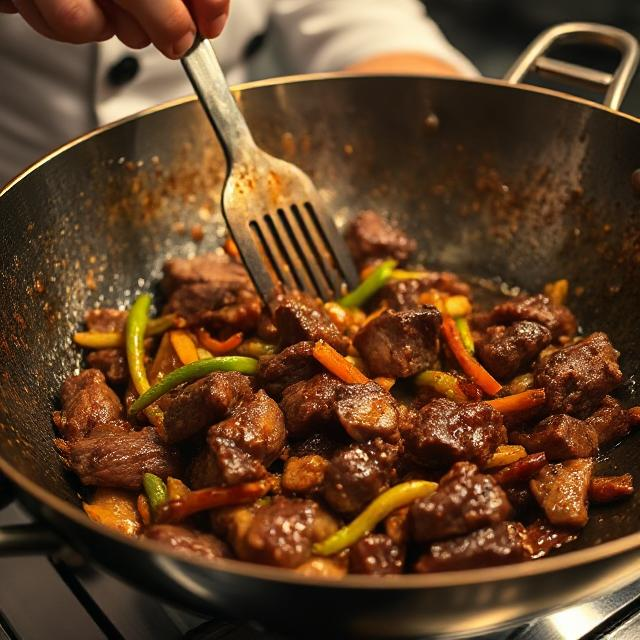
[{"x": 51, "y": 92}]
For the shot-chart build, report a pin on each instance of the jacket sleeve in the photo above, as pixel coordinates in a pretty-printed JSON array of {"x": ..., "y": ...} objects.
[{"x": 328, "y": 35}]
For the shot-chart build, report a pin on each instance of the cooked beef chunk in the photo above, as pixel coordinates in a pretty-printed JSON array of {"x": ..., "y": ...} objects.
[
  {"x": 112, "y": 362},
  {"x": 610, "y": 420},
  {"x": 299, "y": 317},
  {"x": 396, "y": 525},
  {"x": 188, "y": 541},
  {"x": 305, "y": 475},
  {"x": 217, "y": 306},
  {"x": 106, "y": 320},
  {"x": 542, "y": 538},
  {"x": 370, "y": 237},
  {"x": 405, "y": 294},
  {"x": 506, "y": 350},
  {"x": 576, "y": 379},
  {"x": 502, "y": 544},
  {"x": 282, "y": 532},
  {"x": 464, "y": 501},
  {"x": 446, "y": 432},
  {"x": 120, "y": 459},
  {"x": 521, "y": 499},
  {"x": 293, "y": 364},
  {"x": 377, "y": 555},
  {"x": 204, "y": 402},
  {"x": 609, "y": 488},
  {"x": 321, "y": 444},
  {"x": 87, "y": 402},
  {"x": 521, "y": 470},
  {"x": 310, "y": 405},
  {"x": 400, "y": 343},
  {"x": 358, "y": 473},
  {"x": 367, "y": 411},
  {"x": 557, "y": 318},
  {"x": 561, "y": 490},
  {"x": 216, "y": 268},
  {"x": 317, "y": 567},
  {"x": 561, "y": 437}
]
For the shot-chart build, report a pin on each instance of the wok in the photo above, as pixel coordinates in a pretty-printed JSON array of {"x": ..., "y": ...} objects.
[{"x": 493, "y": 179}]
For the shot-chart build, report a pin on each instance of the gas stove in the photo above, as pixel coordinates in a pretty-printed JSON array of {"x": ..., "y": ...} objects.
[{"x": 60, "y": 597}]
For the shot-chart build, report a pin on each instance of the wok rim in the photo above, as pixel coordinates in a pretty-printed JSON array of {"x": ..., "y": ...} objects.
[{"x": 242, "y": 569}]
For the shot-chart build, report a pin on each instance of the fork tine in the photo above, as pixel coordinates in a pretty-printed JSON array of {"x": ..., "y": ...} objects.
[
  {"x": 272, "y": 251},
  {"x": 249, "y": 245}
]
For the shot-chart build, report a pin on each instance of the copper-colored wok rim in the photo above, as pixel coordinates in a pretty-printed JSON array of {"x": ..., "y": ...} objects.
[{"x": 250, "y": 570}]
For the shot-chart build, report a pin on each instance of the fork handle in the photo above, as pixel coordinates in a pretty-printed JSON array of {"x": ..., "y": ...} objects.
[{"x": 205, "y": 73}]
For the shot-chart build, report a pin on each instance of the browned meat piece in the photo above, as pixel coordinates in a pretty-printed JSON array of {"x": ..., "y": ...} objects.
[
  {"x": 317, "y": 567},
  {"x": 464, "y": 501},
  {"x": 120, "y": 459},
  {"x": 396, "y": 525},
  {"x": 293, "y": 364},
  {"x": 357, "y": 474},
  {"x": 609, "y": 488},
  {"x": 105, "y": 320},
  {"x": 299, "y": 317},
  {"x": 400, "y": 343},
  {"x": 576, "y": 379},
  {"x": 217, "y": 306},
  {"x": 561, "y": 490},
  {"x": 203, "y": 403},
  {"x": 521, "y": 499},
  {"x": 87, "y": 402},
  {"x": 405, "y": 294},
  {"x": 506, "y": 350},
  {"x": 542, "y": 538},
  {"x": 377, "y": 555},
  {"x": 503, "y": 544},
  {"x": 370, "y": 237},
  {"x": 367, "y": 411},
  {"x": 282, "y": 532},
  {"x": 610, "y": 420},
  {"x": 305, "y": 475},
  {"x": 216, "y": 268},
  {"x": 321, "y": 444},
  {"x": 521, "y": 470},
  {"x": 112, "y": 362},
  {"x": 188, "y": 541},
  {"x": 309, "y": 405},
  {"x": 446, "y": 432},
  {"x": 561, "y": 437},
  {"x": 557, "y": 318}
]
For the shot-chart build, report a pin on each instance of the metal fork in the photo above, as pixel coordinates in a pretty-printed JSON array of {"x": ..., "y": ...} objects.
[{"x": 271, "y": 207}]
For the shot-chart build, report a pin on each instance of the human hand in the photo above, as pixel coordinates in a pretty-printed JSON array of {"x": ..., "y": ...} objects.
[
  {"x": 170, "y": 25},
  {"x": 411, "y": 63}
]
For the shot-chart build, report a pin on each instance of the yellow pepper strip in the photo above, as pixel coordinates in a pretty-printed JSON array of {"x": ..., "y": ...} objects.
[
  {"x": 176, "y": 489},
  {"x": 465, "y": 334},
  {"x": 557, "y": 291},
  {"x": 444, "y": 383},
  {"x": 184, "y": 346},
  {"x": 385, "y": 382},
  {"x": 404, "y": 274},
  {"x": 115, "y": 339},
  {"x": 506, "y": 454},
  {"x": 380, "y": 508},
  {"x": 457, "y": 306}
]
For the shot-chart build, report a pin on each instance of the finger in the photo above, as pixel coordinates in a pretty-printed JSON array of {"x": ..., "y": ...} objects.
[
  {"x": 125, "y": 26},
  {"x": 74, "y": 21},
  {"x": 6, "y": 6},
  {"x": 210, "y": 15},
  {"x": 33, "y": 18},
  {"x": 168, "y": 23}
]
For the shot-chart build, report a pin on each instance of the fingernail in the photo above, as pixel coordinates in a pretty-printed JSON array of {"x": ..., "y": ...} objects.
[{"x": 183, "y": 45}]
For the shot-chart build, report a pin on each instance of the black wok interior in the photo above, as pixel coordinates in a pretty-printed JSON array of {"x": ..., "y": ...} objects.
[{"x": 494, "y": 181}]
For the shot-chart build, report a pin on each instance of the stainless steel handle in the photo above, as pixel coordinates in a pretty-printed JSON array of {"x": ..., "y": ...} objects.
[
  {"x": 207, "y": 78},
  {"x": 613, "y": 85}
]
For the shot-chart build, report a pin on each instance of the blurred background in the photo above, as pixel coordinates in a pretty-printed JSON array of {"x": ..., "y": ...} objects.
[{"x": 492, "y": 33}]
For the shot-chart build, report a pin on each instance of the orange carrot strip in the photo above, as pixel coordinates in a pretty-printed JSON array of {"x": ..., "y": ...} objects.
[
  {"x": 331, "y": 360},
  {"x": 468, "y": 363},
  {"x": 184, "y": 346},
  {"x": 519, "y": 401},
  {"x": 218, "y": 347},
  {"x": 231, "y": 248}
]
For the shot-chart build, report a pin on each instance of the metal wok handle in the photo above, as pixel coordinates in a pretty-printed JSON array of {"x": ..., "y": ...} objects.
[{"x": 613, "y": 85}]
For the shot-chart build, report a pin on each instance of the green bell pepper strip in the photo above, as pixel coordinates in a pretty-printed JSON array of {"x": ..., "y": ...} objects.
[
  {"x": 398, "y": 496},
  {"x": 135, "y": 329},
  {"x": 115, "y": 339},
  {"x": 465, "y": 334},
  {"x": 191, "y": 372},
  {"x": 444, "y": 383},
  {"x": 156, "y": 491},
  {"x": 376, "y": 279}
]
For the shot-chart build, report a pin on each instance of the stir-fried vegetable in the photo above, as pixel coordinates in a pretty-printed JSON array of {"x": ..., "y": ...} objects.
[
  {"x": 115, "y": 339},
  {"x": 337, "y": 364},
  {"x": 468, "y": 363},
  {"x": 176, "y": 489},
  {"x": 398, "y": 496},
  {"x": 184, "y": 346},
  {"x": 444, "y": 383},
  {"x": 115, "y": 509},
  {"x": 404, "y": 274},
  {"x": 506, "y": 454},
  {"x": 519, "y": 401},
  {"x": 191, "y": 372},
  {"x": 156, "y": 491},
  {"x": 376, "y": 279},
  {"x": 557, "y": 291},
  {"x": 465, "y": 334},
  {"x": 212, "y": 498},
  {"x": 457, "y": 306},
  {"x": 218, "y": 347},
  {"x": 255, "y": 348}
]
